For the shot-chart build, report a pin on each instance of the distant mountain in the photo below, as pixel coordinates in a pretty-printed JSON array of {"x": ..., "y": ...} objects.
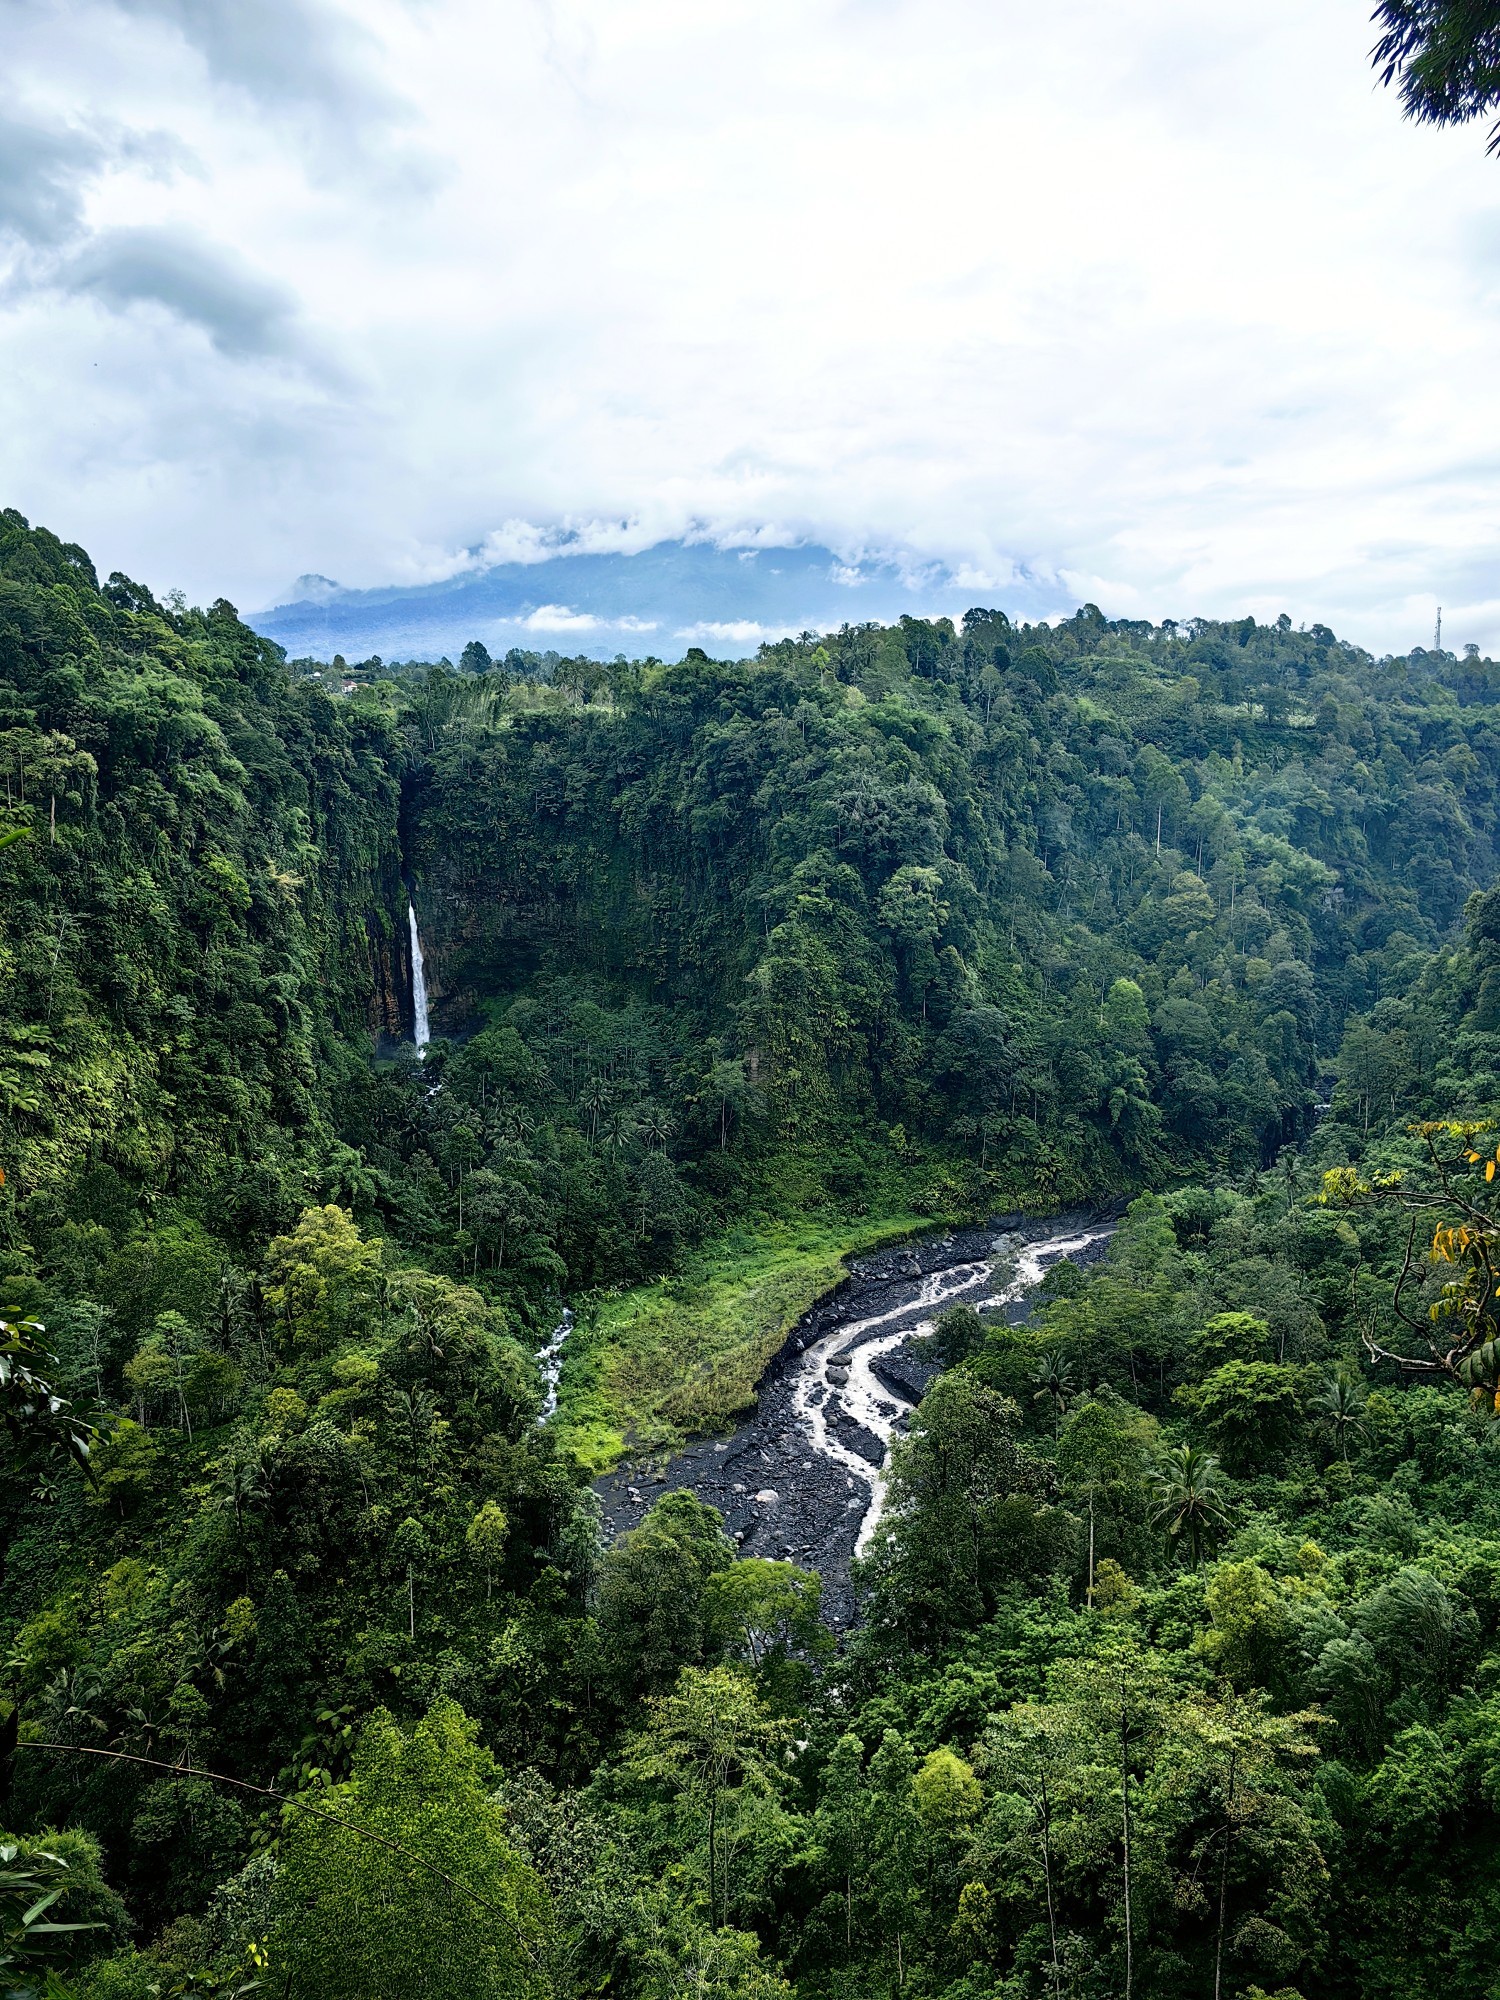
[{"x": 659, "y": 601}]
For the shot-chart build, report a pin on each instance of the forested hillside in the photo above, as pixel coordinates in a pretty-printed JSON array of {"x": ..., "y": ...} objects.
[{"x": 1177, "y": 1671}]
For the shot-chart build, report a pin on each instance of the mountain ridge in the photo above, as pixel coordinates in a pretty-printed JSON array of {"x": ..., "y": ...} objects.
[{"x": 663, "y": 599}]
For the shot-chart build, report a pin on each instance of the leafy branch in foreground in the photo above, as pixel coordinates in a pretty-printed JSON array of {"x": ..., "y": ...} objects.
[
  {"x": 35, "y": 1415},
  {"x": 1461, "y": 1328},
  {"x": 31, "y": 1884},
  {"x": 1445, "y": 56}
]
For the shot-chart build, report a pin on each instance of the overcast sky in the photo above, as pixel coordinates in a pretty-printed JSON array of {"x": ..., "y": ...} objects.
[{"x": 1161, "y": 301}]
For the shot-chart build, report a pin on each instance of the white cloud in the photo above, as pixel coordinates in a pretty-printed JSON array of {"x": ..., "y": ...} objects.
[
  {"x": 1164, "y": 307},
  {"x": 974, "y": 576},
  {"x": 558, "y": 618},
  {"x": 513, "y": 542},
  {"x": 739, "y": 631}
]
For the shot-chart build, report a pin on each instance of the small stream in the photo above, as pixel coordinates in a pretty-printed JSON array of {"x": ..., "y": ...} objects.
[
  {"x": 550, "y": 1360},
  {"x": 804, "y": 1478}
]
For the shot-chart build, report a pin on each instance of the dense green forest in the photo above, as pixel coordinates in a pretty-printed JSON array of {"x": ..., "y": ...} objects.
[{"x": 1177, "y": 1673}]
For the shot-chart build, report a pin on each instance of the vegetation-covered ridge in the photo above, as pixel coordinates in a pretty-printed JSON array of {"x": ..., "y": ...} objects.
[{"x": 1178, "y": 1659}]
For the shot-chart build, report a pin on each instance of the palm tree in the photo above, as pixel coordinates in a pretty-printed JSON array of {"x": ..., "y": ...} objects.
[
  {"x": 1190, "y": 1504},
  {"x": 656, "y": 1127},
  {"x": 594, "y": 1099},
  {"x": 242, "y": 1480},
  {"x": 1055, "y": 1379},
  {"x": 619, "y": 1131},
  {"x": 1342, "y": 1405}
]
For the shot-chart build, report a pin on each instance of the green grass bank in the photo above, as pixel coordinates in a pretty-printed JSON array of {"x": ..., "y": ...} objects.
[{"x": 646, "y": 1368}]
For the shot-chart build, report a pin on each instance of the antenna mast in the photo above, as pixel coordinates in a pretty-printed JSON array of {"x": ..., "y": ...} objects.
[{"x": 1437, "y": 637}]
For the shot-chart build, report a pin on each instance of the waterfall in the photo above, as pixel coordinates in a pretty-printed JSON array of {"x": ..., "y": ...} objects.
[{"x": 421, "y": 1033}]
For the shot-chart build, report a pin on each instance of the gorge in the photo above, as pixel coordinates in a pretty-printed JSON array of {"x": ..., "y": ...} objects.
[{"x": 759, "y": 1010}]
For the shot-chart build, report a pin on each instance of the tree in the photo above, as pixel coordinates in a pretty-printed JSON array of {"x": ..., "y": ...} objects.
[
  {"x": 163, "y": 1364},
  {"x": 37, "y": 1419},
  {"x": 1125, "y": 1019},
  {"x": 957, "y": 1332},
  {"x": 1055, "y": 1380},
  {"x": 965, "y": 1511},
  {"x": 842, "y": 1821},
  {"x": 485, "y": 1539},
  {"x": 727, "y": 1086},
  {"x": 1251, "y": 1409},
  {"x": 948, "y": 1794},
  {"x": 53, "y": 1904},
  {"x": 1262, "y": 1829},
  {"x": 1190, "y": 1505},
  {"x": 1251, "y": 1627},
  {"x": 652, "y": 1619},
  {"x": 149, "y": 1377},
  {"x": 126, "y": 1464},
  {"x": 1445, "y": 57},
  {"x": 1027, "y": 1753},
  {"x": 896, "y": 1846},
  {"x": 673, "y": 1955},
  {"x": 1101, "y": 1458},
  {"x": 319, "y": 1276},
  {"x": 714, "y": 1741},
  {"x": 1231, "y": 1336},
  {"x": 912, "y": 909},
  {"x": 1373, "y": 1069},
  {"x": 1117, "y": 1712},
  {"x": 411, "y": 1547},
  {"x": 767, "y": 1612},
  {"x": 1341, "y": 1405},
  {"x": 427, "y": 1897}
]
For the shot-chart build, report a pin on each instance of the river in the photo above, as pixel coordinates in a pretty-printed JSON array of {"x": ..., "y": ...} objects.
[{"x": 804, "y": 1478}]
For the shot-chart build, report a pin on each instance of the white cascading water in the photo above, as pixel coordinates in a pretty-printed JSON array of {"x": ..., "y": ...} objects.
[
  {"x": 550, "y": 1361},
  {"x": 857, "y": 1346},
  {"x": 421, "y": 1033}
]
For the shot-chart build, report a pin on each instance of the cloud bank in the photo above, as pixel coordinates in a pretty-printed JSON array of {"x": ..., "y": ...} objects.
[{"x": 1156, "y": 306}]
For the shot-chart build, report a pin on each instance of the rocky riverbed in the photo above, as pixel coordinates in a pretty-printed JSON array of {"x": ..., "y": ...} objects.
[{"x": 803, "y": 1479}]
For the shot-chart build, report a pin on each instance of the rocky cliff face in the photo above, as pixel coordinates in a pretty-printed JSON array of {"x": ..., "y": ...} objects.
[{"x": 388, "y": 941}]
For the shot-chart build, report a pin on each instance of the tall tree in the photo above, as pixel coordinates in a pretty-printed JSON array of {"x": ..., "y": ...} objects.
[{"x": 420, "y": 1893}]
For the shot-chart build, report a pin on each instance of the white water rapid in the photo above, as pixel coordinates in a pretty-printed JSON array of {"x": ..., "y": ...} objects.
[
  {"x": 550, "y": 1360},
  {"x": 837, "y": 1371},
  {"x": 421, "y": 1033}
]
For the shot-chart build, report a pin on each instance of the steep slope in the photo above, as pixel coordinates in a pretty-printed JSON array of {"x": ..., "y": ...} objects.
[{"x": 186, "y": 938}]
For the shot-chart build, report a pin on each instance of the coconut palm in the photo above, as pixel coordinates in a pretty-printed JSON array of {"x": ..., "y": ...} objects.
[
  {"x": 1054, "y": 1378},
  {"x": 1190, "y": 1504},
  {"x": 1341, "y": 1406}
]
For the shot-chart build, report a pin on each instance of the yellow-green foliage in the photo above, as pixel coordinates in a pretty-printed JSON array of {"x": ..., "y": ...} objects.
[
  {"x": 359, "y": 1918},
  {"x": 650, "y": 1366}
]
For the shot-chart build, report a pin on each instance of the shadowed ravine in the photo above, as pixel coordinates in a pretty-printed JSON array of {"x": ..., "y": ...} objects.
[{"x": 804, "y": 1478}]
